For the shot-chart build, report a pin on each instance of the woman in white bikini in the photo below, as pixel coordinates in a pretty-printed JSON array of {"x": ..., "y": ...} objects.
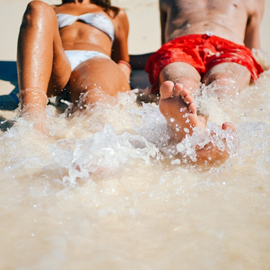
[{"x": 79, "y": 47}]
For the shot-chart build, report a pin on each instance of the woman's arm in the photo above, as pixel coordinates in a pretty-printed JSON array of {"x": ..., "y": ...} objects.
[{"x": 120, "y": 46}]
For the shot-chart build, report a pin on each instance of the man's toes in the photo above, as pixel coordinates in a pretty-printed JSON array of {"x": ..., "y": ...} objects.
[
  {"x": 192, "y": 108},
  {"x": 188, "y": 99},
  {"x": 178, "y": 88},
  {"x": 228, "y": 125},
  {"x": 166, "y": 89},
  {"x": 184, "y": 93}
]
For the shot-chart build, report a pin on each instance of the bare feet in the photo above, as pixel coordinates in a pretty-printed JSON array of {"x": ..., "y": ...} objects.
[
  {"x": 211, "y": 154},
  {"x": 179, "y": 109}
]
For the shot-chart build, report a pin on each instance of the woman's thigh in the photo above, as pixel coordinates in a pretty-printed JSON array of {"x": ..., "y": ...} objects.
[
  {"x": 42, "y": 62},
  {"x": 61, "y": 68},
  {"x": 97, "y": 78}
]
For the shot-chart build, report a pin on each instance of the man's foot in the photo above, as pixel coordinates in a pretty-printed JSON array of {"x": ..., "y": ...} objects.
[
  {"x": 179, "y": 109},
  {"x": 211, "y": 154}
]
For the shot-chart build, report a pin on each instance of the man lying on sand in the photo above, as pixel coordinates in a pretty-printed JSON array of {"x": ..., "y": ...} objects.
[{"x": 203, "y": 42}]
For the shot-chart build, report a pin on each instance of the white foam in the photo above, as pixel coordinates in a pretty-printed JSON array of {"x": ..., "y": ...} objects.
[{"x": 108, "y": 188}]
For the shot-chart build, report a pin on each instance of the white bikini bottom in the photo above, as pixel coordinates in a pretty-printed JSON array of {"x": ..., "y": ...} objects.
[{"x": 76, "y": 57}]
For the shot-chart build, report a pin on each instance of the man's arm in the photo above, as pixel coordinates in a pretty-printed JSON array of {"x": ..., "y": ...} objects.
[{"x": 252, "y": 35}]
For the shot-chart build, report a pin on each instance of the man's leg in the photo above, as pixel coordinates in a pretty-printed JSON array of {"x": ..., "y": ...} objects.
[
  {"x": 227, "y": 78},
  {"x": 178, "y": 81}
]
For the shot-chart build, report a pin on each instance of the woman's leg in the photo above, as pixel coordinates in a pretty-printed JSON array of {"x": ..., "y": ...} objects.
[
  {"x": 95, "y": 79},
  {"x": 43, "y": 67}
]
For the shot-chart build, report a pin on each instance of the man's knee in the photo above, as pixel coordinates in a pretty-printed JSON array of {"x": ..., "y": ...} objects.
[
  {"x": 182, "y": 73},
  {"x": 188, "y": 83},
  {"x": 177, "y": 70},
  {"x": 223, "y": 83},
  {"x": 228, "y": 74},
  {"x": 224, "y": 79}
]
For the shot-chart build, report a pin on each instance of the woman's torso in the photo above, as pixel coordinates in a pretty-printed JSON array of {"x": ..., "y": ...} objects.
[{"x": 82, "y": 36}]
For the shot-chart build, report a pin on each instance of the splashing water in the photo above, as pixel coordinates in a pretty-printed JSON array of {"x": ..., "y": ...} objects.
[{"x": 108, "y": 190}]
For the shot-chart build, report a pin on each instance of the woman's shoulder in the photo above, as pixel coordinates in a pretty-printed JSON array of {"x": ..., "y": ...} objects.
[
  {"x": 118, "y": 15},
  {"x": 116, "y": 12},
  {"x": 55, "y": 7}
]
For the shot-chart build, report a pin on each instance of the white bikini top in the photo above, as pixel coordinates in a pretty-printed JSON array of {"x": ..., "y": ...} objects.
[{"x": 98, "y": 21}]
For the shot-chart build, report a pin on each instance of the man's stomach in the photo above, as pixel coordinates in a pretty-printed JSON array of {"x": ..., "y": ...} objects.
[{"x": 209, "y": 28}]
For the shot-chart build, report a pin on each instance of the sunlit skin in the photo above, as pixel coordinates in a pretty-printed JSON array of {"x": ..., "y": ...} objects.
[
  {"x": 234, "y": 20},
  {"x": 44, "y": 69}
]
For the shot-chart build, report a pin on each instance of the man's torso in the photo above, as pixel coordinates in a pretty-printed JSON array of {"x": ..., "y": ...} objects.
[{"x": 225, "y": 18}]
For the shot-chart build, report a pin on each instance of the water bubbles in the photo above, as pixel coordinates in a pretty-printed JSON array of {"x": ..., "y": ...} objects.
[
  {"x": 132, "y": 211},
  {"x": 180, "y": 147},
  {"x": 162, "y": 181},
  {"x": 114, "y": 168},
  {"x": 103, "y": 212},
  {"x": 176, "y": 162}
]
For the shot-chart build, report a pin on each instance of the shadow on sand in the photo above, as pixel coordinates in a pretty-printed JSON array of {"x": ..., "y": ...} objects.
[{"x": 8, "y": 72}]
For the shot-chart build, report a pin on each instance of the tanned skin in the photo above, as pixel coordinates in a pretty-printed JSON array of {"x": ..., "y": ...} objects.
[
  {"x": 44, "y": 69},
  {"x": 234, "y": 20}
]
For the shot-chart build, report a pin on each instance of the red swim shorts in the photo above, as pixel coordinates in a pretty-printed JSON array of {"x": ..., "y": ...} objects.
[{"x": 202, "y": 52}]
